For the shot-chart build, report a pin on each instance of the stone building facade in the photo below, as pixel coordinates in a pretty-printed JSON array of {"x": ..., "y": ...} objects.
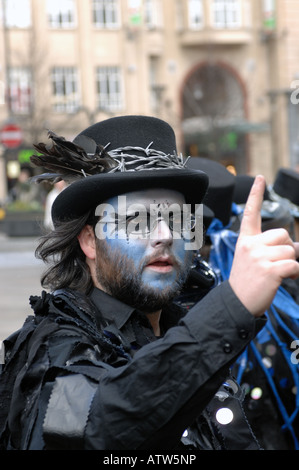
[{"x": 223, "y": 73}]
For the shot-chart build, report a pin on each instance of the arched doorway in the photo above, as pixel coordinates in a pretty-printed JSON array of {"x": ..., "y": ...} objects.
[{"x": 213, "y": 111}]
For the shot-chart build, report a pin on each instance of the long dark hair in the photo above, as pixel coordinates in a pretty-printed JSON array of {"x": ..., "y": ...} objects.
[{"x": 61, "y": 250}]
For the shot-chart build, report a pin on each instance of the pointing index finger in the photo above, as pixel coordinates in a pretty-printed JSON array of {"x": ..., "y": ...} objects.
[{"x": 252, "y": 221}]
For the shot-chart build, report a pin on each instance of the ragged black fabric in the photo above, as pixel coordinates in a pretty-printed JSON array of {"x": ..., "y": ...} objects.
[
  {"x": 132, "y": 395},
  {"x": 47, "y": 345}
]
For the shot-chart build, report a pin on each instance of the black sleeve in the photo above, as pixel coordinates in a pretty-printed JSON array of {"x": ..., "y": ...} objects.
[{"x": 150, "y": 401}]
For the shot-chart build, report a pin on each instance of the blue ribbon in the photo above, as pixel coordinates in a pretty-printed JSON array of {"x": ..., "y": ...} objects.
[{"x": 223, "y": 247}]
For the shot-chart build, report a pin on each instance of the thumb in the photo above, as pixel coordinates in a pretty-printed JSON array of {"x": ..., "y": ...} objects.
[{"x": 252, "y": 221}]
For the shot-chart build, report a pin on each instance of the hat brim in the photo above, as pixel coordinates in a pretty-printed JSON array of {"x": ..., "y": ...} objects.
[{"x": 85, "y": 194}]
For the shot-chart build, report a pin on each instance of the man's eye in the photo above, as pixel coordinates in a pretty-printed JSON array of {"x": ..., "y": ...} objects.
[
  {"x": 138, "y": 222},
  {"x": 124, "y": 221},
  {"x": 121, "y": 222},
  {"x": 176, "y": 218},
  {"x": 130, "y": 218},
  {"x": 176, "y": 221},
  {"x": 137, "y": 217}
]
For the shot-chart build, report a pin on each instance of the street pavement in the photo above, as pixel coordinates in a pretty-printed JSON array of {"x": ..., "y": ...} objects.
[{"x": 20, "y": 274}]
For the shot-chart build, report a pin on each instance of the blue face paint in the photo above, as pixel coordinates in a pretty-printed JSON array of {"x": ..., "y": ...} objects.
[
  {"x": 158, "y": 258},
  {"x": 163, "y": 280}
]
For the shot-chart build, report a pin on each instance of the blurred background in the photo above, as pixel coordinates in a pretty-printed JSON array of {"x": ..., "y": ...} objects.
[{"x": 223, "y": 73}]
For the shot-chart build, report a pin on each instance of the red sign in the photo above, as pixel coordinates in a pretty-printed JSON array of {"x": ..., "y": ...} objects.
[{"x": 11, "y": 136}]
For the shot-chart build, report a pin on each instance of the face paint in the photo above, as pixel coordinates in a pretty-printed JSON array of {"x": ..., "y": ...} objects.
[{"x": 158, "y": 263}]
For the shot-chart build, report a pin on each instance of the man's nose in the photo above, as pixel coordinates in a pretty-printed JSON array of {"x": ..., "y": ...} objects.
[{"x": 161, "y": 233}]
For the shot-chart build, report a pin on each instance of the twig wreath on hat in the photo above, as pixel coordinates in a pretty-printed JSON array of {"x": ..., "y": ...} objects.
[{"x": 112, "y": 157}]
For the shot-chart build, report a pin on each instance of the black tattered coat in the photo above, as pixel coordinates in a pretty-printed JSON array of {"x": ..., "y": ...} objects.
[{"x": 92, "y": 375}]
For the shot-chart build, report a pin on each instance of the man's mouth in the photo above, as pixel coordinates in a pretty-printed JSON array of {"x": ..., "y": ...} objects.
[{"x": 161, "y": 265}]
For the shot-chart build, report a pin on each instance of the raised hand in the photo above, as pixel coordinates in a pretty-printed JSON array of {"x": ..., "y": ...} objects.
[{"x": 262, "y": 259}]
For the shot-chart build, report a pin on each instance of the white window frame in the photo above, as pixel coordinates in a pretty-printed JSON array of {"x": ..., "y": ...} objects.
[
  {"x": 195, "y": 14},
  {"x": 226, "y": 14},
  {"x": 61, "y": 14},
  {"x": 20, "y": 90},
  {"x": 17, "y": 14},
  {"x": 153, "y": 83},
  {"x": 106, "y": 14},
  {"x": 65, "y": 86},
  {"x": 109, "y": 88}
]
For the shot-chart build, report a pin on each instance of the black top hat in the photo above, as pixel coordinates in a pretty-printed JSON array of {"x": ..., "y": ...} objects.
[
  {"x": 219, "y": 196},
  {"x": 274, "y": 215},
  {"x": 243, "y": 184},
  {"x": 113, "y": 157},
  {"x": 286, "y": 185}
]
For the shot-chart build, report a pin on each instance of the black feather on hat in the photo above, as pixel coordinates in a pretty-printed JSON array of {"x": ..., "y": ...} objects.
[{"x": 113, "y": 157}]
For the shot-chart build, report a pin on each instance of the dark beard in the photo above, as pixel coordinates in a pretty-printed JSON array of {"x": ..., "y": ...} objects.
[{"x": 119, "y": 277}]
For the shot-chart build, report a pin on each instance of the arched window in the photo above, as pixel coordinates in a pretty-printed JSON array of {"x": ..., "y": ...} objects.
[{"x": 213, "y": 111}]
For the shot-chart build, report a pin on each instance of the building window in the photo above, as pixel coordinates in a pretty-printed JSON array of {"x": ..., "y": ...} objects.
[
  {"x": 179, "y": 15},
  {"x": 61, "y": 13},
  {"x": 20, "y": 90},
  {"x": 156, "y": 88},
  {"x": 226, "y": 13},
  {"x": 195, "y": 14},
  {"x": 152, "y": 13},
  {"x": 109, "y": 88},
  {"x": 105, "y": 14},
  {"x": 65, "y": 89},
  {"x": 17, "y": 14}
]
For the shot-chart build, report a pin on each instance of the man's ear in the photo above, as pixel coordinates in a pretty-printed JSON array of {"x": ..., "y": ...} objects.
[{"x": 87, "y": 242}]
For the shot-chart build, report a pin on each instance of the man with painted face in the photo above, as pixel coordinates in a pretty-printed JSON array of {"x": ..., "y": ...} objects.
[
  {"x": 143, "y": 268},
  {"x": 107, "y": 361}
]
